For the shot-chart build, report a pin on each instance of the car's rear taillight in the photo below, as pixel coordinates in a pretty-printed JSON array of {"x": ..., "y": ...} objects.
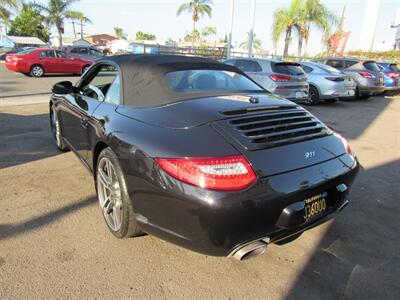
[
  {"x": 345, "y": 144},
  {"x": 279, "y": 78},
  {"x": 366, "y": 74},
  {"x": 335, "y": 78},
  {"x": 392, "y": 75},
  {"x": 216, "y": 173}
]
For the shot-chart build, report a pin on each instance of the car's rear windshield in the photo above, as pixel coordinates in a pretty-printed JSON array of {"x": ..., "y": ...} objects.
[
  {"x": 27, "y": 51},
  {"x": 372, "y": 66},
  {"x": 203, "y": 81},
  {"x": 394, "y": 68},
  {"x": 330, "y": 69},
  {"x": 287, "y": 68}
]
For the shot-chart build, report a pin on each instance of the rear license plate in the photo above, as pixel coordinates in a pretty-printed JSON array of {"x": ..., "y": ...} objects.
[
  {"x": 299, "y": 95},
  {"x": 314, "y": 206}
]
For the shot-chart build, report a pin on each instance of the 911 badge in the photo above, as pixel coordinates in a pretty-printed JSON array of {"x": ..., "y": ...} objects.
[{"x": 309, "y": 154}]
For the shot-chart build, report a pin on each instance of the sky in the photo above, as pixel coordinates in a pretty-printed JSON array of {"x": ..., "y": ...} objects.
[{"x": 159, "y": 17}]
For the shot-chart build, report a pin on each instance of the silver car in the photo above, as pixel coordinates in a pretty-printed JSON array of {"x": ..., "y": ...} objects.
[
  {"x": 286, "y": 79},
  {"x": 327, "y": 83},
  {"x": 366, "y": 74}
]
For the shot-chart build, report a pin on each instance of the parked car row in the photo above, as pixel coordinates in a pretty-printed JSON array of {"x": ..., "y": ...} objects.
[{"x": 327, "y": 79}]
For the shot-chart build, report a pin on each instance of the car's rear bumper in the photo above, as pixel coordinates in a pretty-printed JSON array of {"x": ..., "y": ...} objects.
[{"x": 215, "y": 223}]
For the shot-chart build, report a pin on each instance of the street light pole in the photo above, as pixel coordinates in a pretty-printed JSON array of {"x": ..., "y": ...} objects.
[
  {"x": 228, "y": 52},
  {"x": 251, "y": 33}
]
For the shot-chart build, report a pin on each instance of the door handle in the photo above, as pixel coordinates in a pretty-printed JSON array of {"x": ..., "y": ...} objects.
[{"x": 84, "y": 122}]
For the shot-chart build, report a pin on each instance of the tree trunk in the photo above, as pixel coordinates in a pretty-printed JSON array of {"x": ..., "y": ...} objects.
[
  {"x": 299, "y": 45},
  {"x": 73, "y": 26},
  {"x": 287, "y": 41},
  {"x": 81, "y": 30},
  {"x": 59, "y": 37},
  {"x": 193, "y": 33}
]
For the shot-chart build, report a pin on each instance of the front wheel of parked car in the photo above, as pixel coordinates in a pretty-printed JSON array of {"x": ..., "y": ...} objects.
[
  {"x": 360, "y": 95},
  {"x": 313, "y": 96},
  {"x": 113, "y": 196},
  {"x": 56, "y": 130},
  {"x": 37, "y": 71}
]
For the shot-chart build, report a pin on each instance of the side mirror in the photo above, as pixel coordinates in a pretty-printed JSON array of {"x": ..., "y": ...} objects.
[{"x": 63, "y": 87}]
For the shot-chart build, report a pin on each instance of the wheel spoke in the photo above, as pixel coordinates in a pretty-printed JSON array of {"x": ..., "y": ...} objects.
[
  {"x": 107, "y": 206},
  {"x": 104, "y": 179},
  {"x": 117, "y": 215}
]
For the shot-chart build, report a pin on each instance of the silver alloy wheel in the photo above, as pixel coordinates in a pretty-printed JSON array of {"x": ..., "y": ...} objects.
[
  {"x": 56, "y": 127},
  {"x": 37, "y": 71},
  {"x": 109, "y": 193}
]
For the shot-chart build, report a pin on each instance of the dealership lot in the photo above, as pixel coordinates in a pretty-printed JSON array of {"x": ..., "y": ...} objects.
[{"x": 54, "y": 242}]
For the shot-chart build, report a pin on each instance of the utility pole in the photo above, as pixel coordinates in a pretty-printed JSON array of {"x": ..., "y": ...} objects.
[
  {"x": 228, "y": 52},
  {"x": 251, "y": 33}
]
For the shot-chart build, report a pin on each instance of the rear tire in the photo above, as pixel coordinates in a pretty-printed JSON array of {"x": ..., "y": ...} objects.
[
  {"x": 113, "y": 196},
  {"x": 359, "y": 95},
  {"x": 313, "y": 96},
  {"x": 37, "y": 71}
]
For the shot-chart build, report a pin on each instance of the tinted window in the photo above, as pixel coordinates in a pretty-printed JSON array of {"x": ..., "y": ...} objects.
[
  {"x": 335, "y": 63},
  {"x": 200, "y": 81},
  {"x": 95, "y": 52},
  {"x": 372, "y": 66},
  {"x": 287, "y": 68},
  {"x": 83, "y": 50},
  {"x": 27, "y": 51},
  {"x": 47, "y": 53},
  {"x": 230, "y": 62},
  {"x": 394, "y": 68},
  {"x": 349, "y": 63},
  {"x": 248, "y": 65},
  {"x": 329, "y": 69},
  {"x": 113, "y": 93},
  {"x": 97, "y": 86},
  {"x": 75, "y": 50},
  {"x": 307, "y": 69},
  {"x": 60, "y": 54}
]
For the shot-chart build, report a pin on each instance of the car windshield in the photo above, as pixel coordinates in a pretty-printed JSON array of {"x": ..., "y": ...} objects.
[
  {"x": 200, "y": 81},
  {"x": 372, "y": 66},
  {"x": 287, "y": 68},
  {"x": 27, "y": 51}
]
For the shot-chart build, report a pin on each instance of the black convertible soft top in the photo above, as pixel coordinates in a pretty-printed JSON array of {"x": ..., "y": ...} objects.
[{"x": 143, "y": 77}]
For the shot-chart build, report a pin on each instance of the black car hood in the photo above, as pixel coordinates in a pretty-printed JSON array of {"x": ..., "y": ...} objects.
[{"x": 196, "y": 112}]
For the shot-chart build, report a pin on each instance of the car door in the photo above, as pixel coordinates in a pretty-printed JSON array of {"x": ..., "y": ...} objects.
[
  {"x": 63, "y": 63},
  {"x": 76, "y": 116},
  {"x": 47, "y": 60}
]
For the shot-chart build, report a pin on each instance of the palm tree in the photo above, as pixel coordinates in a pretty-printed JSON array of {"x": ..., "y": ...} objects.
[
  {"x": 80, "y": 17},
  {"x": 256, "y": 42},
  {"x": 284, "y": 21},
  {"x": 313, "y": 12},
  {"x": 56, "y": 13},
  {"x": 119, "y": 32},
  {"x": 5, "y": 13},
  {"x": 207, "y": 31},
  {"x": 197, "y": 8}
]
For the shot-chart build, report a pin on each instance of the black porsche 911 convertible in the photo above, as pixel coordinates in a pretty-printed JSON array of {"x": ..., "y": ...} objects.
[{"x": 195, "y": 152}]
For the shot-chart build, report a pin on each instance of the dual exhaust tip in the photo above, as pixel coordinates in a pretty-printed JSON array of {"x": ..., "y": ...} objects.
[{"x": 250, "y": 250}]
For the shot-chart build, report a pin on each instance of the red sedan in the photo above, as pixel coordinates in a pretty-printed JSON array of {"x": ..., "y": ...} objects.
[{"x": 37, "y": 62}]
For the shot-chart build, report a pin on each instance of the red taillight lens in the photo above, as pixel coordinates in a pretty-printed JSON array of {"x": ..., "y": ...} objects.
[
  {"x": 366, "y": 74},
  {"x": 392, "y": 75},
  {"x": 216, "y": 173},
  {"x": 279, "y": 78},
  {"x": 335, "y": 78}
]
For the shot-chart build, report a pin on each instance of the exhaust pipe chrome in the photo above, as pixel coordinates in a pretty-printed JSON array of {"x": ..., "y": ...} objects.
[
  {"x": 343, "y": 205},
  {"x": 250, "y": 250}
]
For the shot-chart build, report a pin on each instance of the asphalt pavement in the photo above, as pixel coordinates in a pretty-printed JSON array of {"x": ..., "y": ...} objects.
[{"x": 55, "y": 244}]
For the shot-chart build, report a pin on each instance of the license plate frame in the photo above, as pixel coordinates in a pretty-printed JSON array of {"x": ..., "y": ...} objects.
[{"x": 315, "y": 206}]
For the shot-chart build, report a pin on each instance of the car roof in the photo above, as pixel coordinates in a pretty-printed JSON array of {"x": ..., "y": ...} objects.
[
  {"x": 259, "y": 59},
  {"x": 143, "y": 76}
]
